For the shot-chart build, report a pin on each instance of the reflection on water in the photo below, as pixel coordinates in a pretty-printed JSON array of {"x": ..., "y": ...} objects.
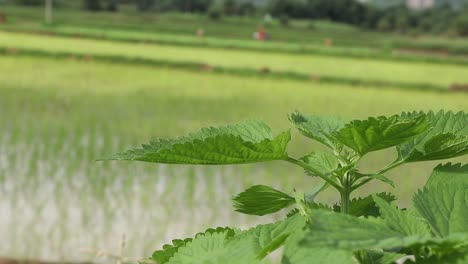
[{"x": 55, "y": 200}]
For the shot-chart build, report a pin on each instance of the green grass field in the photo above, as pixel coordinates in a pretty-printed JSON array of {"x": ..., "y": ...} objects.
[
  {"x": 241, "y": 28},
  {"x": 58, "y": 116},
  {"x": 61, "y": 113},
  {"x": 317, "y": 66}
]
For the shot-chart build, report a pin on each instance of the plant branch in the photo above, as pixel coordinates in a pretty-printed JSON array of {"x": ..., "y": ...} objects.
[
  {"x": 382, "y": 171},
  {"x": 390, "y": 167},
  {"x": 308, "y": 167}
]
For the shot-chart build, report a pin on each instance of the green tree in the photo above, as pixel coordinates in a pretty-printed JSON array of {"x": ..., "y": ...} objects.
[
  {"x": 112, "y": 6},
  {"x": 247, "y": 9},
  {"x": 92, "y": 5},
  {"x": 191, "y": 5},
  {"x": 461, "y": 25},
  {"x": 144, "y": 5},
  {"x": 29, "y": 2},
  {"x": 230, "y": 7}
]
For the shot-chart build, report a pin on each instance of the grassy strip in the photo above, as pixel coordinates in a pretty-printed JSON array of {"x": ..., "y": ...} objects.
[
  {"x": 207, "y": 42},
  {"x": 235, "y": 28},
  {"x": 241, "y": 28},
  {"x": 286, "y": 48},
  {"x": 305, "y": 31},
  {"x": 360, "y": 69},
  {"x": 192, "y": 66},
  {"x": 436, "y": 46}
]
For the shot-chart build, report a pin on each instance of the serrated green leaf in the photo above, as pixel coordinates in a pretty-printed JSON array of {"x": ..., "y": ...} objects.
[
  {"x": 378, "y": 257},
  {"x": 261, "y": 200},
  {"x": 447, "y": 139},
  {"x": 247, "y": 247},
  {"x": 365, "y": 206},
  {"x": 296, "y": 254},
  {"x": 247, "y": 142},
  {"x": 373, "y": 134},
  {"x": 213, "y": 249},
  {"x": 342, "y": 231},
  {"x": 443, "y": 202},
  {"x": 445, "y": 207},
  {"x": 459, "y": 256},
  {"x": 271, "y": 236},
  {"x": 168, "y": 250},
  {"x": 319, "y": 128},
  {"x": 453, "y": 173},
  {"x": 322, "y": 162},
  {"x": 401, "y": 221},
  {"x": 293, "y": 212}
]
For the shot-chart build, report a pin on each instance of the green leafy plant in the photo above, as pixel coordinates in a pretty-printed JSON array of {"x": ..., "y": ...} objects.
[{"x": 359, "y": 230}]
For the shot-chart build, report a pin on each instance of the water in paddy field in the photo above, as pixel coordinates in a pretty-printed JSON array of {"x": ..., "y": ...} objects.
[{"x": 56, "y": 203}]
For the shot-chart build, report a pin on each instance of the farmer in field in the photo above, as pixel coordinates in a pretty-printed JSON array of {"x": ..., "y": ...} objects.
[{"x": 261, "y": 34}]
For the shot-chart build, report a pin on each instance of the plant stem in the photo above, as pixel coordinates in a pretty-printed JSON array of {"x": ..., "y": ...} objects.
[
  {"x": 307, "y": 167},
  {"x": 345, "y": 202},
  {"x": 345, "y": 193}
]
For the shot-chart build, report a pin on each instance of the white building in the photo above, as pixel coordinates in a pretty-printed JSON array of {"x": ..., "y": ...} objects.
[{"x": 420, "y": 4}]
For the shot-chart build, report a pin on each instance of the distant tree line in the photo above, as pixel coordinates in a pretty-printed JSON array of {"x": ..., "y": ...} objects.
[
  {"x": 368, "y": 14},
  {"x": 435, "y": 20},
  {"x": 347, "y": 11},
  {"x": 441, "y": 18}
]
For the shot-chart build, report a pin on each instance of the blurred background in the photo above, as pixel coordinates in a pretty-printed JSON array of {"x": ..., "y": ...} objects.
[{"x": 84, "y": 79}]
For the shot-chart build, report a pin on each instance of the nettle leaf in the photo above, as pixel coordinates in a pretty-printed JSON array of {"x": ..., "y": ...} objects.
[
  {"x": 459, "y": 256},
  {"x": 401, "y": 221},
  {"x": 294, "y": 253},
  {"x": 445, "y": 207},
  {"x": 365, "y": 206},
  {"x": 269, "y": 237},
  {"x": 261, "y": 200},
  {"x": 322, "y": 162},
  {"x": 447, "y": 139},
  {"x": 248, "y": 246},
  {"x": 378, "y": 257},
  {"x": 293, "y": 212},
  {"x": 214, "y": 248},
  {"x": 318, "y": 128},
  {"x": 453, "y": 173},
  {"x": 443, "y": 202},
  {"x": 335, "y": 230},
  {"x": 373, "y": 134},
  {"x": 342, "y": 231},
  {"x": 247, "y": 142},
  {"x": 168, "y": 250}
]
